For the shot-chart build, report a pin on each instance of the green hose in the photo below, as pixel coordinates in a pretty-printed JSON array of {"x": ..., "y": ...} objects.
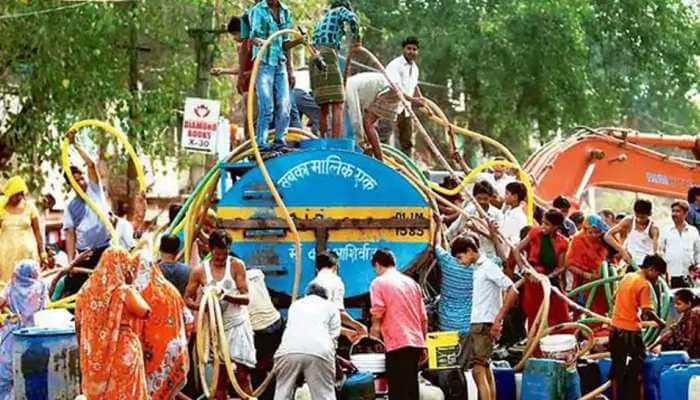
[
  {"x": 407, "y": 161},
  {"x": 591, "y": 295},
  {"x": 608, "y": 290},
  {"x": 591, "y": 285},
  {"x": 663, "y": 309},
  {"x": 198, "y": 188},
  {"x": 589, "y": 321},
  {"x": 649, "y": 332}
]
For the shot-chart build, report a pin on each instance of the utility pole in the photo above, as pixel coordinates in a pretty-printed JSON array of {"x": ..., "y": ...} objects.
[
  {"x": 205, "y": 40},
  {"x": 205, "y": 48},
  {"x": 133, "y": 50}
]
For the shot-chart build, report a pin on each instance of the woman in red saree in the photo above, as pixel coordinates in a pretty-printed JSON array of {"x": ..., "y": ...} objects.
[
  {"x": 546, "y": 248},
  {"x": 586, "y": 254},
  {"x": 164, "y": 334},
  {"x": 108, "y": 317}
]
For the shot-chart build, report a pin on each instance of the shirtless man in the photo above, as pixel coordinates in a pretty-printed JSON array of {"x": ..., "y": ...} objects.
[{"x": 227, "y": 274}]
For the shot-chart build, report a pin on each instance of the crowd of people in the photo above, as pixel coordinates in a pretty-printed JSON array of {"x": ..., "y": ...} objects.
[{"x": 135, "y": 314}]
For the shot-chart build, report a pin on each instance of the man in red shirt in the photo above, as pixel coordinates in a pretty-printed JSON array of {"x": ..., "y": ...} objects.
[
  {"x": 239, "y": 27},
  {"x": 399, "y": 317}
]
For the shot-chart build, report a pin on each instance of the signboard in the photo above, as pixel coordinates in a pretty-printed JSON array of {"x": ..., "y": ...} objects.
[{"x": 200, "y": 125}]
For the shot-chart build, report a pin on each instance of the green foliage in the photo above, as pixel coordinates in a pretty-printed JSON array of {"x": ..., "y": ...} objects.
[
  {"x": 526, "y": 68},
  {"x": 529, "y": 68},
  {"x": 76, "y": 64}
]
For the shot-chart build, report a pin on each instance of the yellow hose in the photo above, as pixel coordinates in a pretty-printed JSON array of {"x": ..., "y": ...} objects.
[
  {"x": 490, "y": 164},
  {"x": 211, "y": 339},
  {"x": 402, "y": 98},
  {"x": 201, "y": 345},
  {"x": 261, "y": 162},
  {"x": 65, "y": 146},
  {"x": 442, "y": 120},
  {"x": 597, "y": 392},
  {"x": 209, "y": 302}
]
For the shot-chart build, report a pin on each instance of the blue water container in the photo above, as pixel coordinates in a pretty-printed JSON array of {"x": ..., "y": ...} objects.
[
  {"x": 676, "y": 380},
  {"x": 46, "y": 364},
  {"x": 589, "y": 373},
  {"x": 604, "y": 367},
  {"x": 505, "y": 382},
  {"x": 572, "y": 385},
  {"x": 359, "y": 386},
  {"x": 543, "y": 379},
  {"x": 654, "y": 366}
]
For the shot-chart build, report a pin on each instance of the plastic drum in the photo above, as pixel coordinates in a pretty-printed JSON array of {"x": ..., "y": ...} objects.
[{"x": 46, "y": 364}]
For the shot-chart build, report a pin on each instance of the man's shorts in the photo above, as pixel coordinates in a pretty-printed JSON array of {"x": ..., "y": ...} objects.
[{"x": 479, "y": 345}]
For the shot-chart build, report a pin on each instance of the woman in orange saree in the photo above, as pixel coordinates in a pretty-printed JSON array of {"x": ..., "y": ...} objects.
[
  {"x": 587, "y": 252},
  {"x": 164, "y": 334},
  {"x": 108, "y": 317}
]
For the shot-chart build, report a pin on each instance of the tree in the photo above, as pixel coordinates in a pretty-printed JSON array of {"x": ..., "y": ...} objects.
[
  {"x": 132, "y": 63},
  {"x": 530, "y": 68},
  {"x": 78, "y": 63}
]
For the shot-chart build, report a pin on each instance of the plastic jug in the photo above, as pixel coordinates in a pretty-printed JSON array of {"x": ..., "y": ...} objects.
[
  {"x": 504, "y": 376},
  {"x": 654, "y": 366},
  {"x": 675, "y": 381}
]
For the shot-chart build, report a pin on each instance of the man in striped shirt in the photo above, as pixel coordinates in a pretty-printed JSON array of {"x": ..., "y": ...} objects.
[{"x": 327, "y": 84}]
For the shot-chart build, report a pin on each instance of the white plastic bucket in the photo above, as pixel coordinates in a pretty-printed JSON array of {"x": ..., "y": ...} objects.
[
  {"x": 370, "y": 362},
  {"x": 55, "y": 318},
  {"x": 472, "y": 390},
  {"x": 430, "y": 392},
  {"x": 559, "y": 347}
]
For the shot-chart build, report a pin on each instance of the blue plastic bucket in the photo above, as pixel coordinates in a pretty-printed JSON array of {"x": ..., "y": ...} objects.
[{"x": 543, "y": 379}]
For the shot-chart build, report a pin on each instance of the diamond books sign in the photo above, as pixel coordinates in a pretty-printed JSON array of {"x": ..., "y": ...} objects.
[{"x": 200, "y": 124}]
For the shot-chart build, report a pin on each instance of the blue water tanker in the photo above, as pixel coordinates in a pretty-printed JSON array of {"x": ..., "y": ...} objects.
[
  {"x": 340, "y": 200},
  {"x": 46, "y": 364}
]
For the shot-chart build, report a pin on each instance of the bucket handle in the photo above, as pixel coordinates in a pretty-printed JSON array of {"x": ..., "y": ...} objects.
[
  {"x": 588, "y": 332},
  {"x": 352, "y": 346}
]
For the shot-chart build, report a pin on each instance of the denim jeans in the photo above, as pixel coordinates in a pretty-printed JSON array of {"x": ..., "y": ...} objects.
[
  {"x": 303, "y": 103},
  {"x": 272, "y": 90}
]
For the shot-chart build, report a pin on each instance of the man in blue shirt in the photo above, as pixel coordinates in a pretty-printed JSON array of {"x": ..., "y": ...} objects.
[
  {"x": 84, "y": 230},
  {"x": 693, "y": 217},
  {"x": 562, "y": 204},
  {"x": 327, "y": 84},
  {"x": 175, "y": 272},
  {"x": 275, "y": 72}
]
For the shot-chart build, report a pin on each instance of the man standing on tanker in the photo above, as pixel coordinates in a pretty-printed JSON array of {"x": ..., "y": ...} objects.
[{"x": 404, "y": 72}]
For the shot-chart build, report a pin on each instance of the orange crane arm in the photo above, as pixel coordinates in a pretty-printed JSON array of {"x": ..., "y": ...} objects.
[{"x": 614, "y": 161}]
